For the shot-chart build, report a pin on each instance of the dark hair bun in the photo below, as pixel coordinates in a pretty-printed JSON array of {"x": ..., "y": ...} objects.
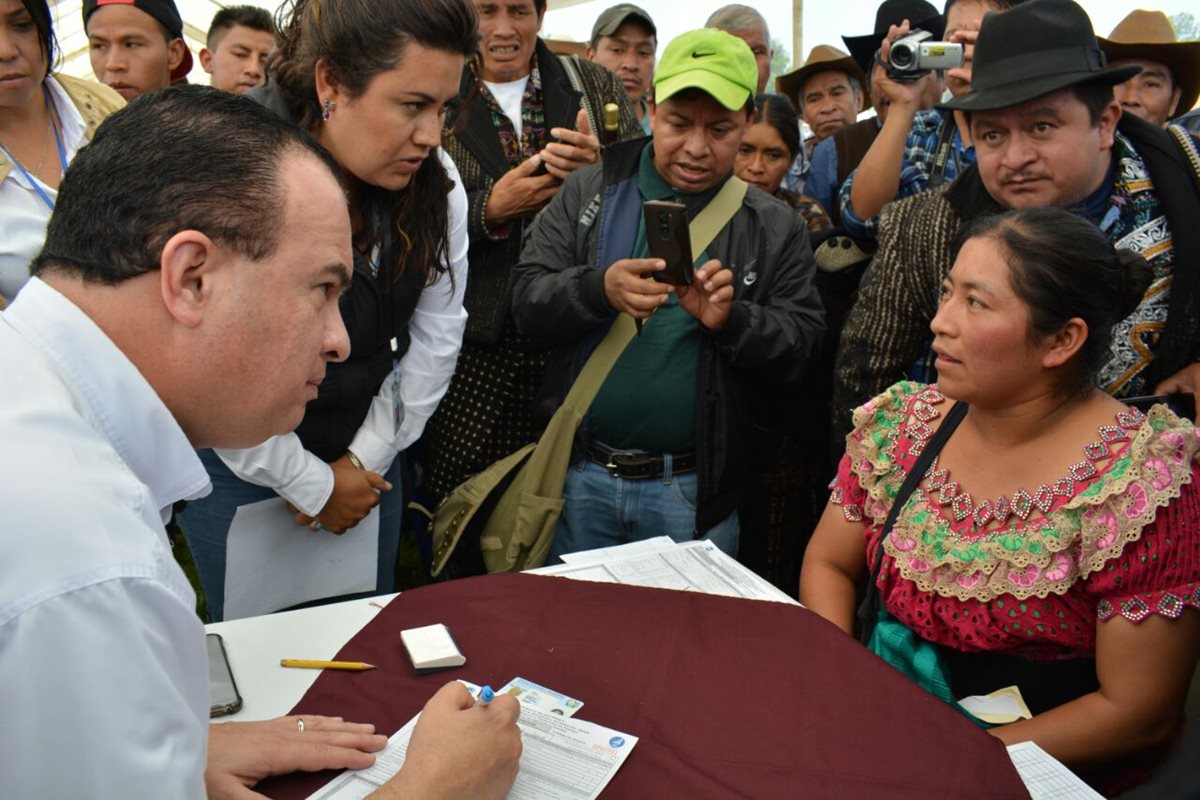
[{"x": 1135, "y": 278}]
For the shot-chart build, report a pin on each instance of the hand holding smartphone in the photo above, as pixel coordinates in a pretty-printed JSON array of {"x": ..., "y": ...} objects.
[
  {"x": 668, "y": 238},
  {"x": 541, "y": 169}
]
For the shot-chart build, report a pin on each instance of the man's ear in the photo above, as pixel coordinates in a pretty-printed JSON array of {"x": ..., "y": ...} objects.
[
  {"x": 589, "y": 54},
  {"x": 175, "y": 50},
  {"x": 1065, "y": 344},
  {"x": 206, "y": 59},
  {"x": 188, "y": 270},
  {"x": 1175, "y": 103},
  {"x": 1109, "y": 118}
]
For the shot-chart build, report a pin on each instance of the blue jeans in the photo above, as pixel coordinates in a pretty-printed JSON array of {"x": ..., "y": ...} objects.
[
  {"x": 205, "y": 524},
  {"x": 601, "y": 511}
]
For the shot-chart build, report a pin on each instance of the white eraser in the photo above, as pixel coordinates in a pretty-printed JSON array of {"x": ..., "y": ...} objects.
[{"x": 432, "y": 648}]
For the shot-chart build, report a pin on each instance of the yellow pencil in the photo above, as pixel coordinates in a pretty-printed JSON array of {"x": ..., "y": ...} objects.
[{"x": 306, "y": 664}]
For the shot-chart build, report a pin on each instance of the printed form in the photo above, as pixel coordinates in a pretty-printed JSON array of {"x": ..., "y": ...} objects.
[
  {"x": 561, "y": 759},
  {"x": 697, "y": 566}
]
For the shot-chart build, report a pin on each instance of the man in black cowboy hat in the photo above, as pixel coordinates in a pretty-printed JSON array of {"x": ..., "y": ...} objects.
[
  {"x": 921, "y": 147},
  {"x": 1047, "y": 132}
]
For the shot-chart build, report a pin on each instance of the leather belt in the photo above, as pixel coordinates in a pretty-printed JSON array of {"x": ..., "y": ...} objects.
[{"x": 638, "y": 465}]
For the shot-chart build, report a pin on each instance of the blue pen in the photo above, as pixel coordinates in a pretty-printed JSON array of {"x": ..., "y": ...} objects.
[{"x": 486, "y": 695}]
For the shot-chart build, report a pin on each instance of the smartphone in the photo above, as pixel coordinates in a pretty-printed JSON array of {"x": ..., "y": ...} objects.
[
  {"x": 221, "y": 685},
  {"x": 540, "y": 169},
  {"x": 669, "y": 239}
]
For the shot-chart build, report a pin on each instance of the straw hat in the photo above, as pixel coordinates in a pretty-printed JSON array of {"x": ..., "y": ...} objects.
[
  {"x": 821, "y": 58},
  {"x": 1149, "y": 35}
]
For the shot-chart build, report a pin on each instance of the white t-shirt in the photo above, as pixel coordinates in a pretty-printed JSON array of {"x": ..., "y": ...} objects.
[
  {"x": 23, "y": 213},
  {"x": 509, "y": 95},
  {"x": 102, "y": 655}
]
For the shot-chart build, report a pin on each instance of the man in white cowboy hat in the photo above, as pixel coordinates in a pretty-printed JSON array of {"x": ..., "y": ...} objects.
[
  {"x": 1169, "y": 82},
  {"x": 1047, "y": 132}
]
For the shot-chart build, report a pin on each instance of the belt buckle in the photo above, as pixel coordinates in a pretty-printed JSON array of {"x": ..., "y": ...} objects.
[{"x": 612, "y": 466}]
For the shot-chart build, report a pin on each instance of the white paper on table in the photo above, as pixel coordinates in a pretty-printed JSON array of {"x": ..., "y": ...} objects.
[
  {"x": 561, "y": 759},
  {"x": 583, "y": 558},
  {"x": 272, "y": 563},
  {"x": 697, "y": 566},
  {"x": 1045, "y": 776}
]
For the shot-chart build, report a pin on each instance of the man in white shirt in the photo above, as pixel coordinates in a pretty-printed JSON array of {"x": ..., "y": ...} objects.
[{"x": 166, "y": 313}]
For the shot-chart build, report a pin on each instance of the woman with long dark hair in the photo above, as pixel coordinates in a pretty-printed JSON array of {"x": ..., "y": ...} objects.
[
  {"x": 44, "y": 119},
  {"x": 371, "y": 81}
]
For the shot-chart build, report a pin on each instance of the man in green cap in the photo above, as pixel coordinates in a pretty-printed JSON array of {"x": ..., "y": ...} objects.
[{"x": 669, "y": 440}]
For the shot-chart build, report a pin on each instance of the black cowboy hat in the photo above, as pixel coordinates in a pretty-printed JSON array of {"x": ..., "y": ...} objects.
[
  {"x": 1036, "y": 48},
  {"x": 919, "y": 14}
]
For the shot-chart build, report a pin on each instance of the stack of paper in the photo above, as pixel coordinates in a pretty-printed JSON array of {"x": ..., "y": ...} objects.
[{"x": 661, "y": 563}]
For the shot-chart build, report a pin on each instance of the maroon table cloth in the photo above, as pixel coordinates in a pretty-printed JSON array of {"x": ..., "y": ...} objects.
[{"x": 729, "y": 697}]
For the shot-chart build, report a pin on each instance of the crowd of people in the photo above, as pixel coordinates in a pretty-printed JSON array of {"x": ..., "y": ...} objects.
[{"x": 373, "y": 257}]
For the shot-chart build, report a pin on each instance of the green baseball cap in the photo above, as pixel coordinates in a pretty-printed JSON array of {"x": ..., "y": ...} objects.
[{"x": 710, "y": 60}]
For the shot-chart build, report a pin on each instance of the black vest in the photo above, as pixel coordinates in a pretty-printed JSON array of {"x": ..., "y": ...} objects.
[{"x": 375, "y": 310}]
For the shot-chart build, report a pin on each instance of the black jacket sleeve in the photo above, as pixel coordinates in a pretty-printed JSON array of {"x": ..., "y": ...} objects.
[{"x": 558, "y": 293}]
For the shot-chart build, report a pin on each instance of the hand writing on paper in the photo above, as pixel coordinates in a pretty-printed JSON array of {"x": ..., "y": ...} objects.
[{"x": 460, "y": 749}]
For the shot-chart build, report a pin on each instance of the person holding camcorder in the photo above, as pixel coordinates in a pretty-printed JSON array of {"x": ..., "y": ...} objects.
[{"x": 916, "y": 150}]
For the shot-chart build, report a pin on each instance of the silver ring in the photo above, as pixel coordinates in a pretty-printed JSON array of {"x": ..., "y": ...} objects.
[
  {"x": 315, "y": 525},
  {"x": 299, "y": 725}
]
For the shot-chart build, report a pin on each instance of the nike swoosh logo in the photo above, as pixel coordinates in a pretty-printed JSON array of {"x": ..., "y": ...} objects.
[{"x": 698, "y": 54}]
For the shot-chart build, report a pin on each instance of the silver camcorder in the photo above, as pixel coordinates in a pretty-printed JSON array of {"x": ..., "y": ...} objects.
[{"x": 913, "y": 56}]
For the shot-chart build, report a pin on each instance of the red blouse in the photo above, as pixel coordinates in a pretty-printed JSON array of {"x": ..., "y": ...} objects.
[{"x": 1035, "y": 572}]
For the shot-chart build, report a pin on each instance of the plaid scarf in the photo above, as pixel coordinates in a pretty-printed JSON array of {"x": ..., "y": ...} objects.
[{"x": 533, "y": 120}]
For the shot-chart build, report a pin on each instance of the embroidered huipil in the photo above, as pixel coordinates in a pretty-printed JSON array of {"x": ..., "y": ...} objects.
[{"x": 1034, "y": 572}]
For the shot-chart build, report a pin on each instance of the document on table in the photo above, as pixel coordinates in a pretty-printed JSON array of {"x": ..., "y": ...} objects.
[
  {"x": 561, "y": 759},
  {"x": 1045, "y": 776},
  {"x": 602, "y": 554},
  {"x": 272, "y": 563},
  {"x": 698, "y": 566}
]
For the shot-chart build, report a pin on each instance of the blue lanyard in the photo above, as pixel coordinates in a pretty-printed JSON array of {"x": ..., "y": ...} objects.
[{"x": 62, "y": 154}]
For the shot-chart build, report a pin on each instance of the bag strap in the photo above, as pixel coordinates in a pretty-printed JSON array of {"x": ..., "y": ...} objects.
[
  {"x": 1188, "y": 145},
  {"x": 711, "y": 220},
  {"x": 868, "y": 610},
  {"x": 944, "y": 148}
]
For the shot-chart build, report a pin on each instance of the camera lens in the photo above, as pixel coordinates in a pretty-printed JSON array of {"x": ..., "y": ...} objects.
[{"x": 902, "y": 56}]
